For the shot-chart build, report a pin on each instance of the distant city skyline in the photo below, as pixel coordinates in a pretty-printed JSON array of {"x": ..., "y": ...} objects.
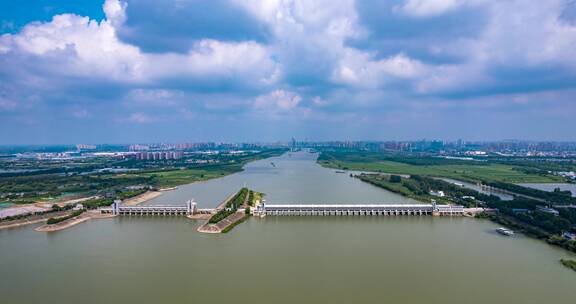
[
  {"x": 286, "y": 142},
  {"x": 127, "y": 71},
  {"x": 401, "y": 145}
]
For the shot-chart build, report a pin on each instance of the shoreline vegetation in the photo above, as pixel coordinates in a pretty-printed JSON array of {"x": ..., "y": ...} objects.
[
  {"x": 531, "y": 230},
  {"x": 420, "y": 187},
  {"x": 533, "y": 223},
  {"x": 77, "y": 178},
  {"x": 57, "y": 211},
  {"x": 56, "y": 220},
  {"x": 141, "y": 198},
  {"x": 168, "y": 179},
  {"x": 34, "y": 219},
  {"x": 463, "y": 170},
  {"x": 521, "y": 213},
  {"x": 38, "y": 215},
  {"x": 399, "y": 185},
  {"x": 118, "y": 185},
  {"x": 231, "y": 206},
  {"x": 569, "y": 263},
  {"x": 77, "y": 217},
  {"x": 62, "y": 223},
  {"x": 235, "y": 210}
]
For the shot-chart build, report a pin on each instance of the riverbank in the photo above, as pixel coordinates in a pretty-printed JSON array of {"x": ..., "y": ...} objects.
[
  {"x": 421, "y": 188},
  {"x": 383, "y": 181},
  {"x": 88, "y": 215},
  {"x": 139, "y": 199},
  {"x": 469, "y": 171},
  {"x": 229, "y": 214},
  {"x": 223, "y": 204},
  {"x": 71, "y": 201},
  {"x": 171, "y": 178},
  {"x": 531, "y": 223},
  {"x": 531, "y": 231},
  {"x": 569, "y": 263},
  {"x": 224, "y": 225},
  {"x": 31, "y": 220},
  {"x": 25, "y": 210},
  {"x": 64, "y": 224}
]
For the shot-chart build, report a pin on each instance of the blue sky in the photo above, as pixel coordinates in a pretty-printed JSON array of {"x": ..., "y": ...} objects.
[{"x": 187, "y": 70}]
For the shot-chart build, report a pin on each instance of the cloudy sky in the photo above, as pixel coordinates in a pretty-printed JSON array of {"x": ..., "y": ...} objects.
[{"x": 115, "y": 71}]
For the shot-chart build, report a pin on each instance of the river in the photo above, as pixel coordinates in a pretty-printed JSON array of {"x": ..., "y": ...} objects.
[
  {"x": 552, "y": 186},
  {"x": 293, "y": 178},
  {"x": 282, "y": 259},
  {"x": 502, "y": 196}
]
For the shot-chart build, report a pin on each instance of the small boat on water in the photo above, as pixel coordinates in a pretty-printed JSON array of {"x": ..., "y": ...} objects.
[
  {"x": 340, "y": 171},
  {"x": 273, "y": 164},
  {"x": 505, "y": 231}
]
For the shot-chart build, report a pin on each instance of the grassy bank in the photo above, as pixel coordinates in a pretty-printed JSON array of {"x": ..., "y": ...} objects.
[
  {"x": 236, "y": 223},
  {"x": 229, "y": 217},
  {"x": 531, "y": 221},
  {"x": 181, "y": 176},
  {"x": 418, "y": 188},
  {"x": 253, "y": 197},
  {"x": 56, "y": 220},
  {"x": 460, "y": 170},
  {"x": 171, "y": 178},
  {"x": 384, "y": 181},
  {"x": 569, "y": 263},
  {"x": 84, "y": 179},
  {"x": 231, "y": 206}
]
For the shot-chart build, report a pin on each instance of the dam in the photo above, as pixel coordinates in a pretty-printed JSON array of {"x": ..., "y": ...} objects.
[
  {"x": 382, "y": 209},
  {"x": 265, "y": 209}
]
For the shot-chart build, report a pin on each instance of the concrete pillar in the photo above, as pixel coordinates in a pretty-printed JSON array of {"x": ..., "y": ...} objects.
[
  {"x": 190, "y": 207},
  {"x": 116, "y": 207}
]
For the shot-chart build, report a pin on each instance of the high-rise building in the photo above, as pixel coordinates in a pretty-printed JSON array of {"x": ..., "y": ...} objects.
[
  {"x": 168, "y": 155},
  {"x": 139, "y": 148},
  {"x": 85, "y": 147}
]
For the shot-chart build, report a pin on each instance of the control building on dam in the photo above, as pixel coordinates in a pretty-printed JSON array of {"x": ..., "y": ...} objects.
[{"x": 359, "y": 209}]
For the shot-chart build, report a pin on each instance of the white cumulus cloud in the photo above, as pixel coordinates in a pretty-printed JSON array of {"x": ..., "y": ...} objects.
[
  {"x": 140, "y": 118},
  {"x": 425, "y": 8},
  {"x": 278, "y": 101}
]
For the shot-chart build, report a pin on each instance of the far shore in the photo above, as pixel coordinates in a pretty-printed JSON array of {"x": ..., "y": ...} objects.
[
  {"x": 139, "y": 199},
  {"x": 93, "y": 214},
  {"x": 168, "y": 189},
  {"x": 63, "y": 225},
  {"x": 22, "y": 223},
  {"x": 31, "y": 220}
]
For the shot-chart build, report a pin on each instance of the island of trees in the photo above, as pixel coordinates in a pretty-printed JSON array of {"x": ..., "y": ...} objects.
[{"x": 235, "y": 211}]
